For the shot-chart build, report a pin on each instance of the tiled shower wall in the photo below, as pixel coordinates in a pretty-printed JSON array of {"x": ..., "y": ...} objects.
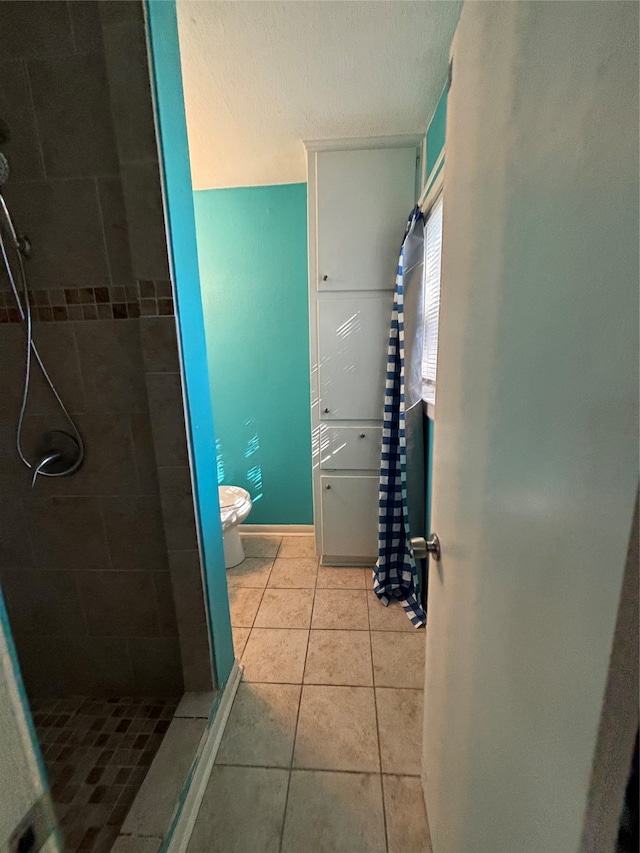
[{"x": 100, "y": 571}]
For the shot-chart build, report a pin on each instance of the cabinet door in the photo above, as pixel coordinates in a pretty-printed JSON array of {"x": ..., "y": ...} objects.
[
  {"x": 354, "y": 447},
  {"x": 353, "y": 337},
  {"x": 350, "y": 515},
  {"x": 363, "y": 199}
]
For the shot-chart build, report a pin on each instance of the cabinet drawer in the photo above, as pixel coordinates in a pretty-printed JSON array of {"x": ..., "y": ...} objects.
[
  {"x": 349, "y": 515},
  {"x": 350, "y": 447}
]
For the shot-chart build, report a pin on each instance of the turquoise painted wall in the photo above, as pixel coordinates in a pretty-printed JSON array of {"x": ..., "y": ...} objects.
[
  {"x": 252, "y": 247},
  {"x": 167, "y": 81}
]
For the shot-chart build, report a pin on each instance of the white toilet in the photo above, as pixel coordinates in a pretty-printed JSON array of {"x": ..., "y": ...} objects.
[{"x": 235, "y": 506}]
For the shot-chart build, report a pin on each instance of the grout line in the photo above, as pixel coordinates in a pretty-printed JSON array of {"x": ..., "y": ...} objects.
[
  {"x": 295, "y": 731},
  {"x": 103, "y": 232},
  {"x": 141, "y": 161},
  {"x": 230, "y": 587},
  {"x": 23, "y": 506},
  {"x": 103, "y": 524},
  {"x": 66, "y": 179},
  {"x": 81, "y": 377},
  {"x": 332, "y": 684},
  {"x": 136, "y": 465},
  {"x": 83, "y": 612},
  {"x": 156, "y": 600},
  {"x": 69, "y": 16},
  {"x": 375, "y": 705},
  {"x": 320, "y": 770},
  {"x": 315, "y": 557},
  {"x": 32, "y": 104}
]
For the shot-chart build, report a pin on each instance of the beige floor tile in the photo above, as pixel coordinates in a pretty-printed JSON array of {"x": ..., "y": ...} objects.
[
  {"x": 252, "y": 572},
  {"x": 275, "y": 655},
  {"x": 339, "y": 657},
  {"x": 297, "y": 546},
  {"x": 340, "y": 608},
  {"x": 334, "y": 813},
  {"x": 337, "y": 729},
  {"x": 330, "y": 577},
  {"x": 398, "y": 658},
  {"x": 240, "y": 637},
  {"x": 285, "y": 608},
  {"x": 259, "y": 545},
  {"x": 242, "y": 811},
  {"x": 391, "y": 618},
  {"x": 244, "y": 605},
  {"x": 400, "y": 710},
  {"x": 298, "y": 573},
  {"x": 407, "y": 828},
  {"x": 262, "y": 726}
]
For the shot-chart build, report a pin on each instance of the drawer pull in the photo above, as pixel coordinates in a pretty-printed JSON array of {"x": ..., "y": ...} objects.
[
  {"x": 327, "y": 486},
  {"x": 326, "y": 411},
  {"x": 362, "y": 435}
]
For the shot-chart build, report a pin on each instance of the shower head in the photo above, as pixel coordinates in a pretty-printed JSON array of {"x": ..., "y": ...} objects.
[
  {"x": 5, "y": 219},
  {"x": 4, "y": 170}
]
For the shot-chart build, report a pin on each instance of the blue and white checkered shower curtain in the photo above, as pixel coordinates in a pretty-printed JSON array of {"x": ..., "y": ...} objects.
[{"x": 396, "y": 574}]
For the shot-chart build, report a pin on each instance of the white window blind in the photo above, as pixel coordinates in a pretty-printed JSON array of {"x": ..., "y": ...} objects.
[{"x": 432, "y": 270}]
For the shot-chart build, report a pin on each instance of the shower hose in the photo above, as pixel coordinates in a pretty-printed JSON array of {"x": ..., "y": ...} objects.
[{"x": 25, "y": 313}]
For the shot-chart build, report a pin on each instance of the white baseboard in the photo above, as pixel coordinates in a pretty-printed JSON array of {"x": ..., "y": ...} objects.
[
  {"x": 278, "y": 529},
  {"x": 178, "y": 840}
]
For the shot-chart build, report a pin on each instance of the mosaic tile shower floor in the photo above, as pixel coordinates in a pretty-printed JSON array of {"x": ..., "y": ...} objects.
[{"x": 97, "y": 752}]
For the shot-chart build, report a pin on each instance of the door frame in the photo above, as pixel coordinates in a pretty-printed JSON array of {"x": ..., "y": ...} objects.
[{"x": 619, "y": 719}]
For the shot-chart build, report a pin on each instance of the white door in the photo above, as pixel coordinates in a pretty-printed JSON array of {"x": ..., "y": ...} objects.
[{"x": 536, "y": 458}]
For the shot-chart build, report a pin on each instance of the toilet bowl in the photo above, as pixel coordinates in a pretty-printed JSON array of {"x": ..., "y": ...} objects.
[{"x": 235, "y": 506}]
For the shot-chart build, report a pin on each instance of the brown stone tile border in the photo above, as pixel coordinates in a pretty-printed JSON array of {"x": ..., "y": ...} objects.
[{"x": 54, "y": 305}]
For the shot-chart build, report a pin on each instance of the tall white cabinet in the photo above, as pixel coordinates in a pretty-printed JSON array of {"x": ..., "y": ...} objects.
[{"x": 360, "y": 194}]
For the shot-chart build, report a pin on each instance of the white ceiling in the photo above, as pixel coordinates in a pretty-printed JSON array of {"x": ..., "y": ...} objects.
[{"x": 259, "y": 77}]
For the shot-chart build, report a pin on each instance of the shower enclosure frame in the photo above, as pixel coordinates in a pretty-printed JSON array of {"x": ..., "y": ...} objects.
[{"x": 171, "y": 132}]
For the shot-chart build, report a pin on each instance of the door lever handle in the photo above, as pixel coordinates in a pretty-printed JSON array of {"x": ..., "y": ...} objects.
[{"x": 421, "y": 548}]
